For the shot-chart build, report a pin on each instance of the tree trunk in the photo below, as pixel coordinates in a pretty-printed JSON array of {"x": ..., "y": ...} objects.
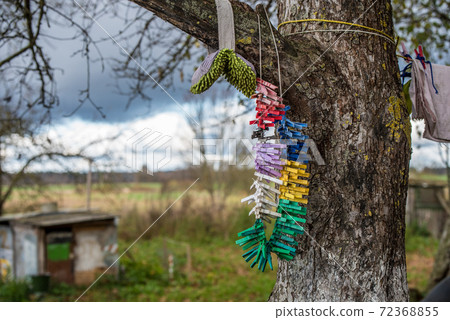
[{"x": 350, "y": 96}]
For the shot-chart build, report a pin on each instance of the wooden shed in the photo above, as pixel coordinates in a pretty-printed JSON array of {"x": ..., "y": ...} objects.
[
  {"x": 72, "y": 246},
  {"x": 426, "y": 205}
]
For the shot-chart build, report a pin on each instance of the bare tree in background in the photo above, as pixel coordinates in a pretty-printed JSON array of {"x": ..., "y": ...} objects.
[
  {"x": 21, "y": 143},
  {"x": 424, "y": 22},
  {"x": 213, "y": 121},
  {"x": 152, "y": 52},
  {"x": 441, "y": 267}
]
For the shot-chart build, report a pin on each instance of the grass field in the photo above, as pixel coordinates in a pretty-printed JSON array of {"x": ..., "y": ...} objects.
[
  {"x": 428, "y": 177},
  {"x": 217, "y": 271},
  {"x": 420, "y": 251},
  {"x": 218, "y": 274}
]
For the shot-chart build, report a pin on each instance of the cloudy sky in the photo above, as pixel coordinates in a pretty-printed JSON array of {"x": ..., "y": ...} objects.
[{"x": 167, "y": 113}]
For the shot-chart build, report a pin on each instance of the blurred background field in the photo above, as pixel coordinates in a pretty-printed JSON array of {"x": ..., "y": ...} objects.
[{"x": 189, "y": 254}]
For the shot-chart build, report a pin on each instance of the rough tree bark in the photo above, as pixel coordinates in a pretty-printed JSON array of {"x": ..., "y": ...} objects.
[{"x": 350, "y": 95}]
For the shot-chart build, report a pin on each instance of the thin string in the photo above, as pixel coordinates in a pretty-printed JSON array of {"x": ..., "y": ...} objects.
[
  {"x": 260, "y": 50},
  {"x": 339, "y": 22},
  {"x": 276, "y": 50},
  {"x": 341, "y": 30},
  {"x": 422, "y": 59}
]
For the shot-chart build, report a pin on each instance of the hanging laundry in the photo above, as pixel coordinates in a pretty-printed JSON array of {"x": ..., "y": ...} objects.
[{"x": 430, "y": 95}]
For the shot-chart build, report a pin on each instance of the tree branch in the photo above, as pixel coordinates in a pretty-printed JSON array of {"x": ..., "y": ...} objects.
[
  {"x": 199, "y": 19},
  {"x": 19, "y": 175},
  {"x": 16, "y": 54}
]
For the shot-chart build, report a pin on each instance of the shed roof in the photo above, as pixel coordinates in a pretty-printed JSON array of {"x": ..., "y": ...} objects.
[{"x": 57, "y": 218}]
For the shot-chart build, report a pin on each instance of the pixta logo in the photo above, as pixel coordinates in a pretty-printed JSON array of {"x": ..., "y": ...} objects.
[
  {"x": 226, "y": 150},
  {"x": 148, "y": 151}
]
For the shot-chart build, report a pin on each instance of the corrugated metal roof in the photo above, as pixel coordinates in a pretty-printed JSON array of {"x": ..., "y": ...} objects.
[{"x": 49, "y": 219}]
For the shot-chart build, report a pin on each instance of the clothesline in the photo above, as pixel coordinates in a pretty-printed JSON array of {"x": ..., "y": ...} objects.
[
  {"x": 339, "y": 22},
  {"x": 343, "y": 30}
]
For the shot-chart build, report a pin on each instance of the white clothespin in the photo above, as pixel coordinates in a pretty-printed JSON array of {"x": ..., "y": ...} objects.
[
  {"x": 263, "y": 176},
  {"x": 272, "y": 213}
]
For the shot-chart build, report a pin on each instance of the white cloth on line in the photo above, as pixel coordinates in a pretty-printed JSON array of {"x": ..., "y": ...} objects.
[{"x": 433, "y": 107}]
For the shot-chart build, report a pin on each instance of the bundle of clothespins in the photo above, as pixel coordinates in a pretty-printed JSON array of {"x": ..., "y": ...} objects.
[
  {"x": 428, "y": 94},
  {"x": 268, "y": 105},
  {"x": 281, "y": 184}
]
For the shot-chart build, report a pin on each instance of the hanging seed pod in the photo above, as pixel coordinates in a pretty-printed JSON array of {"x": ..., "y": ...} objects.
[{"x": 237, "y": 71}]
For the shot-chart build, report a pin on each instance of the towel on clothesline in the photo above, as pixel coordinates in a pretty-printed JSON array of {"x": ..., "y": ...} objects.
[{"x": 429, "y": 105}]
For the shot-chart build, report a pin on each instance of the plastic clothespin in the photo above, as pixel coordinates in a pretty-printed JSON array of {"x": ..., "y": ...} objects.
[
  {"x": 420, "y": 56},
  {"x": 405, "y": 53},
  {"x": 266, "y": 83}
]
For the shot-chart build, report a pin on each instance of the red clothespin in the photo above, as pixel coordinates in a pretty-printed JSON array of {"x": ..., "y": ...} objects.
[
  {"x": 266, "y": 84},
  {"x": 420, "y": 55},
  {"x": 261, "y": 108},
  {"x": 257, "y": 96},
  {"x": 265, "y": 101},
  {"x": 262, "y": 89}
]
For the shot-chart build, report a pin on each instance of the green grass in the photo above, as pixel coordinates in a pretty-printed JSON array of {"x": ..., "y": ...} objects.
[
  {"x": 421, "y": 248},
  {"x": 420, "y": 241},
  {"x": 106, "y": 197},
  {"x": 219, "y": 273},
  {"x": 141, "y": 196},
  {"x": 72, "y": 186},
  {"x": 429, "y": 177},
  {"x": 14, "y": 291}
]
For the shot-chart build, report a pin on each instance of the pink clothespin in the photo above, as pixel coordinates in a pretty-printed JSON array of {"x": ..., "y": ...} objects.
[
  {"x": 257, "y": 96},
  {"x": 266, "y": 84},
  {"x": 404, "y": 52},
  {"x": 262, "y": 89}
]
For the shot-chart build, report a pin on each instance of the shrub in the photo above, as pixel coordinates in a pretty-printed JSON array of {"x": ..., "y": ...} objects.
[{"x": 14, "y": 290}]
